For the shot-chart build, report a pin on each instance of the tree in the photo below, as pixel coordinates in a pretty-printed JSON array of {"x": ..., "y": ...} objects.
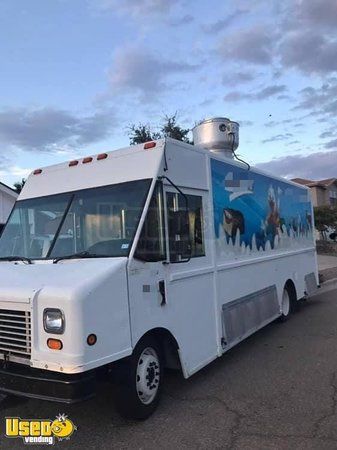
[
  {"x": 19, "y": 185},
  {"x": 138, "y": 134},
  {"x": 171, "y": 129},
  {"x": 325, "y": 217}
]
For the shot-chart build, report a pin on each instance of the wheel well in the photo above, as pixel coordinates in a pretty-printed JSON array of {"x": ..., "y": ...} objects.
[
  {"x": 291, "y": 289},
  {"x": 169, "y": 346}
]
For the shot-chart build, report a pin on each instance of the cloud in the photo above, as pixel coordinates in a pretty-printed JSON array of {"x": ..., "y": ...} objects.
[
  {"x": 254, "y": 45},
  {"x": 271, "y": 124},
  {"x": 309, "y": 41},
  {"x": 222, "y": 24},
  {"x": 331, "y": 144},
  {"x": 48, "y": 129},
  {"x": 8, "y": 170},
  {"x": 269, "y": 91},
  {"x": 327, "y": 134},
  {"x": 236, "y": 96},
  {"x": 236, "y": 78},
  {"x": 303, "y": 37},
  {"x": 320, "y": 100},
  {"x": 309, "y": 51},
  {"x": 4, "y": 162},
  {"x": 135, "y": 8},
  {"x": 278, "y": 137},
  {"x": 263, "y": 94},
  {"x": 184, "y": 20},
  {"x": 274, "y": 123},
  {"x": 313, "y": 13},
  {"x": 314, "y": 166},
  {"x": 245, "y": 123},
  {"x": 15, "y": 171},
  {"x": 135, "y": 70}
]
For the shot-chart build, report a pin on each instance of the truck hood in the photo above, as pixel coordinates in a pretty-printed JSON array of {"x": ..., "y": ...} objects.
[{"x": 20, "y": 282}]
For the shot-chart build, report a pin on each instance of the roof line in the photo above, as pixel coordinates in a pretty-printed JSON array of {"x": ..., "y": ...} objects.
[{"x": 8, "y": 187}]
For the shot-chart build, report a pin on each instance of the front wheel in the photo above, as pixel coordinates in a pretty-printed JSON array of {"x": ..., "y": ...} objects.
[{"x": 140, "y": 381}]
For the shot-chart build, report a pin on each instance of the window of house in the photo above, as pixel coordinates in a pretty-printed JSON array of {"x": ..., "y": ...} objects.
[
  {"x": 151, "y": 244},
  {"x": 191, "y": 228}
]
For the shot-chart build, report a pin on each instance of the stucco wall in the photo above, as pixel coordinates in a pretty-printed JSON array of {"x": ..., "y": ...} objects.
[
  {"x": 319, "y": 196},
  {"x": 332, "y": 195}
]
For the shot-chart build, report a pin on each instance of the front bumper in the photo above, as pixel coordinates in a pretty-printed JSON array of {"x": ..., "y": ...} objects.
[{"x": 24, "y": 381}]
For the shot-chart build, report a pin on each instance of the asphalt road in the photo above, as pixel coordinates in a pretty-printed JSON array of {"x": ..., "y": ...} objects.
[{"x": 276, "y": 390}]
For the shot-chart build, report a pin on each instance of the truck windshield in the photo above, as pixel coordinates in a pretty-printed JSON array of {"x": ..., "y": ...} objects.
[{"x": 99, "y": 221}]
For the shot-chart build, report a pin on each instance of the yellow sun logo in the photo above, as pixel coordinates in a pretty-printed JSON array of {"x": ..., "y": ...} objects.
[{"x": 62, "y": 427}]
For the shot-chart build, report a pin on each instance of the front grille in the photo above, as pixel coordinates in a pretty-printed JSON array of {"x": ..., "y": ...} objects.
[{"x": 15, "y": 333}]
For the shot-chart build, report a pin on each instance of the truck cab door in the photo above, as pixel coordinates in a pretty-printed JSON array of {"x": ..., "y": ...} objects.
[
  {"x": 171, "y": 278},
  {"x": 190, "y": 279},
  {"x": 147, "y": 271}
]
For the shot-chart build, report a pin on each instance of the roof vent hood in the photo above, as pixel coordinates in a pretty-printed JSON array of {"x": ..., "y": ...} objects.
[{"x": 218, "y": 135}]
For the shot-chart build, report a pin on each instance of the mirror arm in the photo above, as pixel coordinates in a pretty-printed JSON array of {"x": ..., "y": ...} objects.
[{"x": 175, "y": 187}]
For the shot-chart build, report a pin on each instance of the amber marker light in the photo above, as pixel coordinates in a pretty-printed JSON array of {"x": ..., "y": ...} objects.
[
  {"x": 37, "y": 171},
  {"x": 86, "y": 160},
  {"x": 54, "y": 344},
  {"x": 73, "y": 163},
  {"x": 149, "y": 145},
  {"x": 91, "y": 339},
  {"x": 102, "y": 156}
]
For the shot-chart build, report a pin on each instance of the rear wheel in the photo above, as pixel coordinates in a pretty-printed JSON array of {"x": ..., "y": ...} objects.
[
  {"x": 288, "y": 303},
  {"x": 140, "y": 381}
]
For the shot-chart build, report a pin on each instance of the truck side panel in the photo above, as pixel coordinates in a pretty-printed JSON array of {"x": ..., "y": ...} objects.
[
  {"x": 258, "y": 235},
  {"x": 263, "y": 237}
]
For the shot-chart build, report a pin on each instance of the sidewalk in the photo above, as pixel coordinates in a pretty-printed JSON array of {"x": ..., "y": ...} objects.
[{"x": 327, "y": 267}]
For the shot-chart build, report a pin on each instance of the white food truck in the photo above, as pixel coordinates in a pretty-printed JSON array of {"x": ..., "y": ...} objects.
[{"x": 164, "y": 254}]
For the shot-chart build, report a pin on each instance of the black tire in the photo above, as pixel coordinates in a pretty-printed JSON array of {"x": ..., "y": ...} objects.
[
  {"x": 289, "y": 302},
  {"x": 140, "y": 379}
]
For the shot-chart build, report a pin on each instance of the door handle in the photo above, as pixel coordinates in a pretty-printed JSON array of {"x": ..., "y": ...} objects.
[{"x": 161, "y": 285}]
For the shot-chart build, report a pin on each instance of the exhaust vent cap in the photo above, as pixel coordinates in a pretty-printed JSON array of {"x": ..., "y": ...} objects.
[{"x": 218, "y": 135}]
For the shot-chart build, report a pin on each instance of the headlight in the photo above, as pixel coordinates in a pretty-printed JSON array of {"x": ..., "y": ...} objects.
[{"x": 53, "y": 321}]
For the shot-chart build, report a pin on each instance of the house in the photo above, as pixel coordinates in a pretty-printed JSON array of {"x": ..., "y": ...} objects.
[
  {"x": 323, "y": 192},
  {"x": 8, "y": 197}
]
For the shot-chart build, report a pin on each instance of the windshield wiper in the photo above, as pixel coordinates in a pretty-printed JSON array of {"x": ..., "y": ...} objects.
[
  {"x": 84, "y": 254},
  {"x": 16, "y": 258}
]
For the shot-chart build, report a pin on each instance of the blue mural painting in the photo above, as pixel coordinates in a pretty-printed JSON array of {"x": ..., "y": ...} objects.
[{"x": 257, "y": 208}]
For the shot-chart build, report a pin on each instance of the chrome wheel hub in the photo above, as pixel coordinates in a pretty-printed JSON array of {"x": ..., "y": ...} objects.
[{"x": 148, "y": 375}]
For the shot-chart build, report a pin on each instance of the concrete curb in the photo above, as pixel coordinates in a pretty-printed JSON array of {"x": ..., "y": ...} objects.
[{"x": 326, "y": 286}]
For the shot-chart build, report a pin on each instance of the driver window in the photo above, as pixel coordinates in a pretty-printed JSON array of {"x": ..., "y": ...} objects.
[{"x": 151, "y": 244}]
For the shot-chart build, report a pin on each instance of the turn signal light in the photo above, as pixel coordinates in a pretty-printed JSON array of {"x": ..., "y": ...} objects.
[
  {"x": 55, "y": 344},
  {"x": 91, "y": 339},
  {"x": 86, "y": 160},
  {"x": 148, "y": 145}
]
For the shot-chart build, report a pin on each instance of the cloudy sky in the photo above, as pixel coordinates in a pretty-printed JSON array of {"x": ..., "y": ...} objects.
[{"x": 76, "y": 73}]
